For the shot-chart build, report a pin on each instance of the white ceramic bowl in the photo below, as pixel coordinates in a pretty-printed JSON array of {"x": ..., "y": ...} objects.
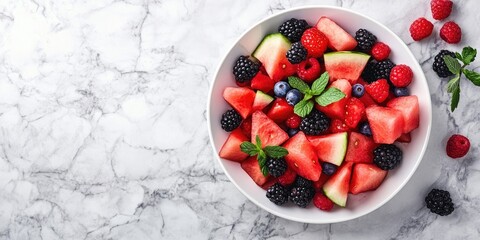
[{"x": 357, "y": 205}]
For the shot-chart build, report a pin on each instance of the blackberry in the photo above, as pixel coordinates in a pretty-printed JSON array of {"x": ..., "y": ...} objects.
[
  {"x": 301, "y": 196},
  {"x": 382, "y": 69},
  {"x": 231, "y": 119},
  {"x": 439, "y": 65},
  {"x": 439, "y": 202},
  {"x": 276, "y": 166},
  {"x": 302, "y": 182},
  {"x": 315, "y": 123},
  {"x": 365, "y": 40},
  {"x": 368, "y": 71},
  {"x": 277, "y": 194},
  {"x": 297, "y": 53},
  {"x": 387, "y": 156},
  {"x": 245, "y": 69},
  {"x": 293, "y": 29}
]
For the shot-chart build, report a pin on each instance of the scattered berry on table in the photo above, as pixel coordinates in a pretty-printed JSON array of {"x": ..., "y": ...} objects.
[
  {"x": 439, "y": 202},
  {"x": 439, "y": 65},
  {"x": 281, "y": 88},
  {"x": 315, "y": 42},
  {"x": 365, "y": 40},
  {"x": 401, "y": 92},
  {"x": 292, "y": 131},
  {"x": 338, "y": 126},
  {"x": 276, "y": 166},
  {"x": 420, "y": 29},
  {"x": 293, "y": 29},
  {"x": 401, "y": 75},
  {"x": 457, "y": 146},
  {"x": 380, "y": 51},
  {"x": 322, "y": 202},
  {"x": 297, "y": 53},
  {"x": 358, "y": 90},
  {"x": 293, "y": 121},
  {"x": 231, "y": 119},
  {"x": 293, "y": 97},
  {"x": 354, "y": 111},
  {"x": 368, "y": 73},
  {"x": 378, "y": 90},
  {"x": 382, "y": 69},
  {"x": 387, "y": 156},
  {"x": 309, "y": 70},
  {"x": 277, "y": 194},
  {"x": 328, "y": 168},
  {"x": 364, "y": 129},
  {"x": 301, "y": 196},
  {"x": 245, "y": 69},
  {"x": 451, "y": 32},
  {"x": 315, "y": 123},
  {"x": 441, "y": 9}
]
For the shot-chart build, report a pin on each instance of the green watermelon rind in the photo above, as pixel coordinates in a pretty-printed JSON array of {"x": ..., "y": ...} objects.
[{"x": 267, "y": 39}]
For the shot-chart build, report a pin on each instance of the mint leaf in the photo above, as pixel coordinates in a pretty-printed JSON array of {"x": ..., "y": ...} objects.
[
  {"x": 452, "y": 64},
  {"x": 307, "y": 97},
  {"x": 275, "y": 151},
  {"x": 297, "y": 83},
  {"x": 459, "y": 56},
  {"x": 330, "y": 96},
  {"x": 453, "y": 83},
  {"x": 472, "y": 76},
  {"x": 303, "y": 108},
  {"x": 262, "y": 162},
  {"x": 468, "y": 55},
  {"x": 319, "y": 85},
  {"x": 259, "y": 142},
  {"x": 455, "y": 98},
  {"x": 249, "y": 148}
]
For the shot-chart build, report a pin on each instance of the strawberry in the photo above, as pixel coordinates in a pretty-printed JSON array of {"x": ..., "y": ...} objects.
[
  {"x": 322, "y": 202},
  {"x": 380, "y": 51},
  {"x": 441, "y": 9},
  {"x": 451, "y": 32},
  {"x": 293, "y": 121},
  {"x": 354, "y": 111},
  {"x": 315, "y": 42},
  {"x": 309, "y": 70},
  {"x": 457, "y": 146},
  {"x": 338, "y": 126},
  {"x": 401, "y": 75},
  {"x": 420, "y": 29},
  {"x": 378, "y": 90}
]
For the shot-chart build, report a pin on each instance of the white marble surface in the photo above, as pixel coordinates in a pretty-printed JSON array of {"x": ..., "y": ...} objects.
[{"x": 103, "y": 129}]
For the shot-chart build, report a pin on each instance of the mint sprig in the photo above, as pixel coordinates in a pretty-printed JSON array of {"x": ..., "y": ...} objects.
[
  {"x": 454, "y": 66},
  {"x": 262, "y": 153},
  {"x": 316, "y": 93}
]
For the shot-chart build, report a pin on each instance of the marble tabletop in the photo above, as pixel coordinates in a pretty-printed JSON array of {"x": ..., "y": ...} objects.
[{"x": 103, "y": 131}]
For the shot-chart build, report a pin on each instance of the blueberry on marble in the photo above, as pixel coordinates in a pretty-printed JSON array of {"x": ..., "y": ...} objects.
[
  {"x": 281, "y": 88},
  {"x": 358, "y": 90},
  {"x": 401, "y": 92},
  {"x": 328, "y": 168},
  {"x": 293, "y": 97},
  {"x": 364, "y": 129}
]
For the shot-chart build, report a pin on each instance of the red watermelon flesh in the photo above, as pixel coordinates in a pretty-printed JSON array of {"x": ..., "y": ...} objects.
[
  {"x": 405, "y": 138},
  {"x": 408, "y": 105},
  {"x": 288, "y": 177},
  {"x": 360, "y": 148},
  {"x": 262, "y": 82},
  {"x": 272, "y": 53},
  {"x": 330, "y": 148},
  {"x": 302, "y": 158},
  {"x": 386, "y": 124},
  {"x": 338, "y": 38},
  {"x": 269, "y": 132},
  {"x": 319, "y": 184},
  {"x": 366, "y": 177},
  {"x": 337, "y": 109},
  {"x": 246, "y": 127},
  {"x": 336, "y": 188},
  {"x": 241, "y": 99},
  {"x": 345, "y": 65},
  {"x": 231, "y": 148},
  {"x": 280, "y": 110},
  {"x": 252, "y": 168}
]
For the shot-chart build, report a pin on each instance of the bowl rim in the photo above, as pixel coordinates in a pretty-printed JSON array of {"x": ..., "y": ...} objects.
[{"x": 349, "y": 11}]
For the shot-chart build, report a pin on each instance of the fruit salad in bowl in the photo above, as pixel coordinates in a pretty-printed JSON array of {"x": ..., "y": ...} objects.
[{"x": 319, "y": 114}]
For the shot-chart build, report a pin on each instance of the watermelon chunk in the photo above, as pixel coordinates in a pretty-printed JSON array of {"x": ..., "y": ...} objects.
[
  {"x": 360, "y": 148},
  {"x": 345, "y": 65},
  {"x": 366, "y": 177},
  {"x": 288, "y": 177},
  {"x": 337, "y": 109},
  {"x": 408, "y": 105},
  {"x": 405, "y": 138},
  {"x": 262, "y": 82},
  {"x": 302, "y": 158},
  {"x": 318, "y": 185},
  {"x": 252, "y": 168},
  {"x": 246, "y": 127},
  {"x": 272, "y": 53},
  {"x": 241, "y": 99},
  {"x": 261, "y": 101},
  {"x": 330, "y": 148},
  {"x": 338, "y": 38},
  {"x": 280, "y": 110},
  {"x": 337, "y": 186},
  {"x": 269, "y": 132},
  {"x": 231, "y": 148},
  {"x": 386, "y": 124}
]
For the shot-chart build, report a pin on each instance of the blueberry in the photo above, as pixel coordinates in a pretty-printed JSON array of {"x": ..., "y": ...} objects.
[
  {"x": 292, "y": 131},
  {"x": 364, "y": 129},
  {"x": 328, "y": 168},
  {"x": 400, "y": 92},
  {"x": 281, "y": 88},
  {"x": 358, "y": 90},
  {"x": 293, "y": 97}
]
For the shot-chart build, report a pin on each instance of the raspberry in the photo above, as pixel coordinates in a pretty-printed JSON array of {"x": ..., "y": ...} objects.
[
  {"x": 354, "y": 111},
  {"x": 420, "y": 29},
  {"x": 451, "y": 32},
  {"x": 309, "y": 70},
  {"x": 457, "y": 146},
  {"x": 401, "y": 75},
  {"x": 322, "y": 202},
  {"x": 338, "y": 126},
  {"x": 380, "y": 51},
  {"x": 378, "y": 90},
  {"x": 315, "y": 42},
  {"x": 293, "y": 121},
  {"x": 441, "y": 9}
]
